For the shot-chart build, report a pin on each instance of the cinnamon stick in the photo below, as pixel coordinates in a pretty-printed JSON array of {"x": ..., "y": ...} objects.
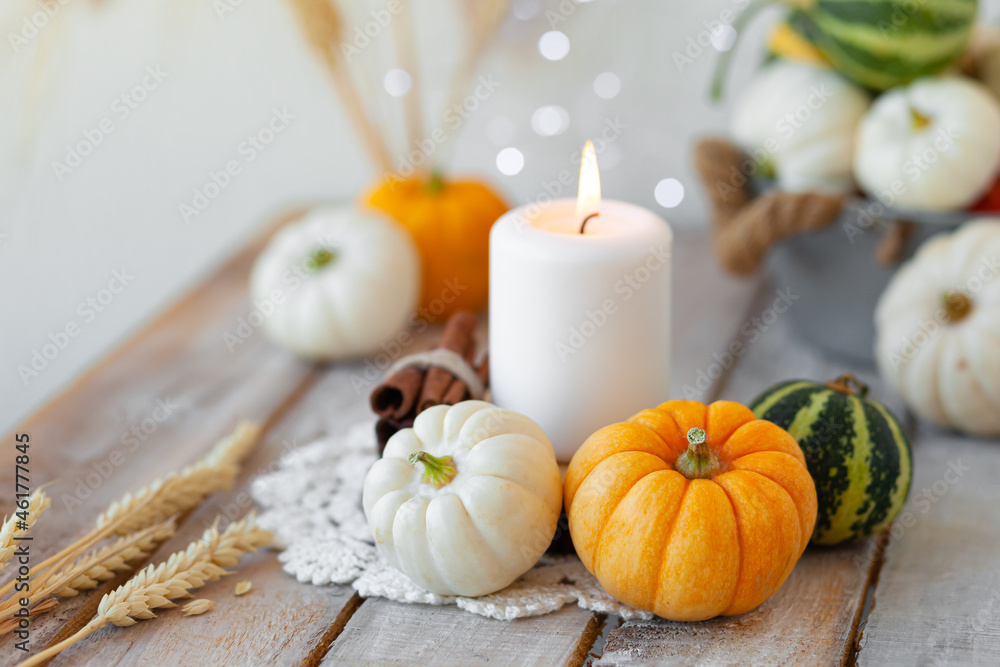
[
  {"x": 457, "y": 337},
  {"x": 458, "y": 392},
  {"x": 385, "y": 428},
  {"x": 397, "y": 395}
]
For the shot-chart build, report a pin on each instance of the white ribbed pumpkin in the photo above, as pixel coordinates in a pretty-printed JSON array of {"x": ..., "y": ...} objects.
[
  {"x": 801, "y": 119},
  {"x": 336, "y": 283},
  {"x": 934, "y": 144},
  {"x": 938, "y": 327},
  {"x": 467, "y": 500}
]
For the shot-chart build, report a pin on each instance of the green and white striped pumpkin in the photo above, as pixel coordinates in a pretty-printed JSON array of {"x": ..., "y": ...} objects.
[
  {"x": 856, "y": 452},
  {"x": 884, "y": 43}
]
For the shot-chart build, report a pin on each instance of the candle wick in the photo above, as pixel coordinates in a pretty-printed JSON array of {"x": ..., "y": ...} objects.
[{"x": 583, "y": 225}]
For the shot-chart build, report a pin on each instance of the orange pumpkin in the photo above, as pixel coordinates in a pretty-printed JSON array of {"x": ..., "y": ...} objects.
[
  {"x": 450, "y": 222},
  {"x": 690, "y": 510}
]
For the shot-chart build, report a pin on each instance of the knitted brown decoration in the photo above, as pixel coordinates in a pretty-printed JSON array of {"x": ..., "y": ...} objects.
[{"x": 746, "y": 228}]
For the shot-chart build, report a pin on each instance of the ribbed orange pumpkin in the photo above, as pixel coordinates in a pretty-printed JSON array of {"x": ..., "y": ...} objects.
[
  {"x": 450, "y": 222},
  {"x": 690, "y": 510}
]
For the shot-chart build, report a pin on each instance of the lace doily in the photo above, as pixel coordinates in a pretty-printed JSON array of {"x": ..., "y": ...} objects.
[{"x": 312, "y": 502}]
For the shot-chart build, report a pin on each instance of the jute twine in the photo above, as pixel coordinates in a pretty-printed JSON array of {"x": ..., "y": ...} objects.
[{"x": 746, "y": 228}]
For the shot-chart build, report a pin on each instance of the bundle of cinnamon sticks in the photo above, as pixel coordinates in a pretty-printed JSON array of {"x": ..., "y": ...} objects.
[{"x": 411, "y": 390}]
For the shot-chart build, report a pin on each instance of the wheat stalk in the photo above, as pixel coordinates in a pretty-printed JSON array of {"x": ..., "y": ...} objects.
[
  {"x": 323, "y": 27},
  {"x": 87, "y": 572},
  {"x": 38, "y": 502},
  {"x": 154, "y": 587},
  {"x": 166, "y": 497},
  {"x": 43, "y": 607},
  {"x": 102, "y": 564}
]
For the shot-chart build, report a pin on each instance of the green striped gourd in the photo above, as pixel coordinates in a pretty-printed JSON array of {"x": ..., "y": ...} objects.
[
  {"x": 884, "y": 43},
  {"x": 856, "y": 452},
  {"x": 876, "y": 43}
]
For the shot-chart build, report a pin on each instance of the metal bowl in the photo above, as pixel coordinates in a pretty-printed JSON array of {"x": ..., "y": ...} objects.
[{"x": 837, "y": 277}]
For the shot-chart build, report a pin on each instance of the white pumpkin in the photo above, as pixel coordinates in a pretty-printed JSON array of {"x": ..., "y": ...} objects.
[
  {"x": 938, "y": 326},
  {"x": 467, "y": 500},
  {"x": 336, "y": 283},
  {"x": 934, "y": 144},
  {"x": 801, "y": 119}
]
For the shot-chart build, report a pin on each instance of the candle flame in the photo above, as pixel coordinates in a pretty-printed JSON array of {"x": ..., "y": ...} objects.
[{"x": 588, "y": 198}]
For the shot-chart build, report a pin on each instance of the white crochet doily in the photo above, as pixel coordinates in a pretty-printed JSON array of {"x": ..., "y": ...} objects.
[{"x": 313, "y": 504}]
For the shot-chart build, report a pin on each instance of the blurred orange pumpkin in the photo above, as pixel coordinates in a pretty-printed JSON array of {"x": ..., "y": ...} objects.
[
  {"x": 690, "y": 510},
  {"x": 450, "y": 222}
]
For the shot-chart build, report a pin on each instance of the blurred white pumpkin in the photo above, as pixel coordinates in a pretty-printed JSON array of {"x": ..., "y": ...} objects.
[
  {"x": 934, "y": 144},
  {"x": 336, "y": 283},
  {"x": 938, "y": 326},
  {"x": 467, "y": 500},
  {"x": 801, "y": 119}
]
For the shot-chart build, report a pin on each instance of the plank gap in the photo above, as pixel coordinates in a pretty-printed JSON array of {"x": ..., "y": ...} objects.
[
  {"x": 853, "y": 646},
  {"x": 611, "y": 622},
  {"x": 319, "y": 652},
  {"x": 591, "y": 633}
]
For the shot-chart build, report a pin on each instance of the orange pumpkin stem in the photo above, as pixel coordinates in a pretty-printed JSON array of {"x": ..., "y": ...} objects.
[
  {"x": 848, "y": 384},
  {"x": 438, "y": 470},
  {"x": 436, "y": 182},
  {"x": 697, "y": 461}
]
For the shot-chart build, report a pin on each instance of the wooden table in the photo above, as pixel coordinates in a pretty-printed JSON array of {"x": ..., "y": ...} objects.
[{"x": 927, "y": 594}]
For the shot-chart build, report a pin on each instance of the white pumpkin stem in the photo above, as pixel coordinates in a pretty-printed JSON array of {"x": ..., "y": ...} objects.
[
  {"x": 698, "y": 461},
  {"x": 957, "y": 306},
  {"x": 319, "y": 258},
  {"x": 438, "y": 470}
]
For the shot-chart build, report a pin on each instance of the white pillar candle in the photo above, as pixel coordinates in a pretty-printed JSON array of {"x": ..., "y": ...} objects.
[{"x": 579, "y": 322}]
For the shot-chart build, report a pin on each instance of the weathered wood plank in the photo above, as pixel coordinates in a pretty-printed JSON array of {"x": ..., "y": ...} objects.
[
  {"x": 281, "y": 621},
  {"x": 937, "y": 601},
  {"x": 813, "y": 618},
  {"x": 807, "y": 622},
  {"x": 384, "y": 631},
  {"x": 181, "y": 353},
  {"x": 400, "y": 634},
  {"x": 179, "y": 386}
]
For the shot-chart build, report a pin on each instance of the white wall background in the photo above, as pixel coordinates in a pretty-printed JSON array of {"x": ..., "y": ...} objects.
[{"x": 63, "y": 235}]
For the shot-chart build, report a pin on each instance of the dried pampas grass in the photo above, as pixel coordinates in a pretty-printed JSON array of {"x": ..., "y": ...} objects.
[{"x": 323, "y": 26}]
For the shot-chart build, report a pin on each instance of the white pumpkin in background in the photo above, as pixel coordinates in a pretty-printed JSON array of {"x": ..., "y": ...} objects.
[
  {"x": 801, "y": 120},
  {"x": 467, "y": 500},
  {"x": 938, "y": 326},
  {"x": 934, "y": 144},
  {"x": 336, "y": 283}
]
